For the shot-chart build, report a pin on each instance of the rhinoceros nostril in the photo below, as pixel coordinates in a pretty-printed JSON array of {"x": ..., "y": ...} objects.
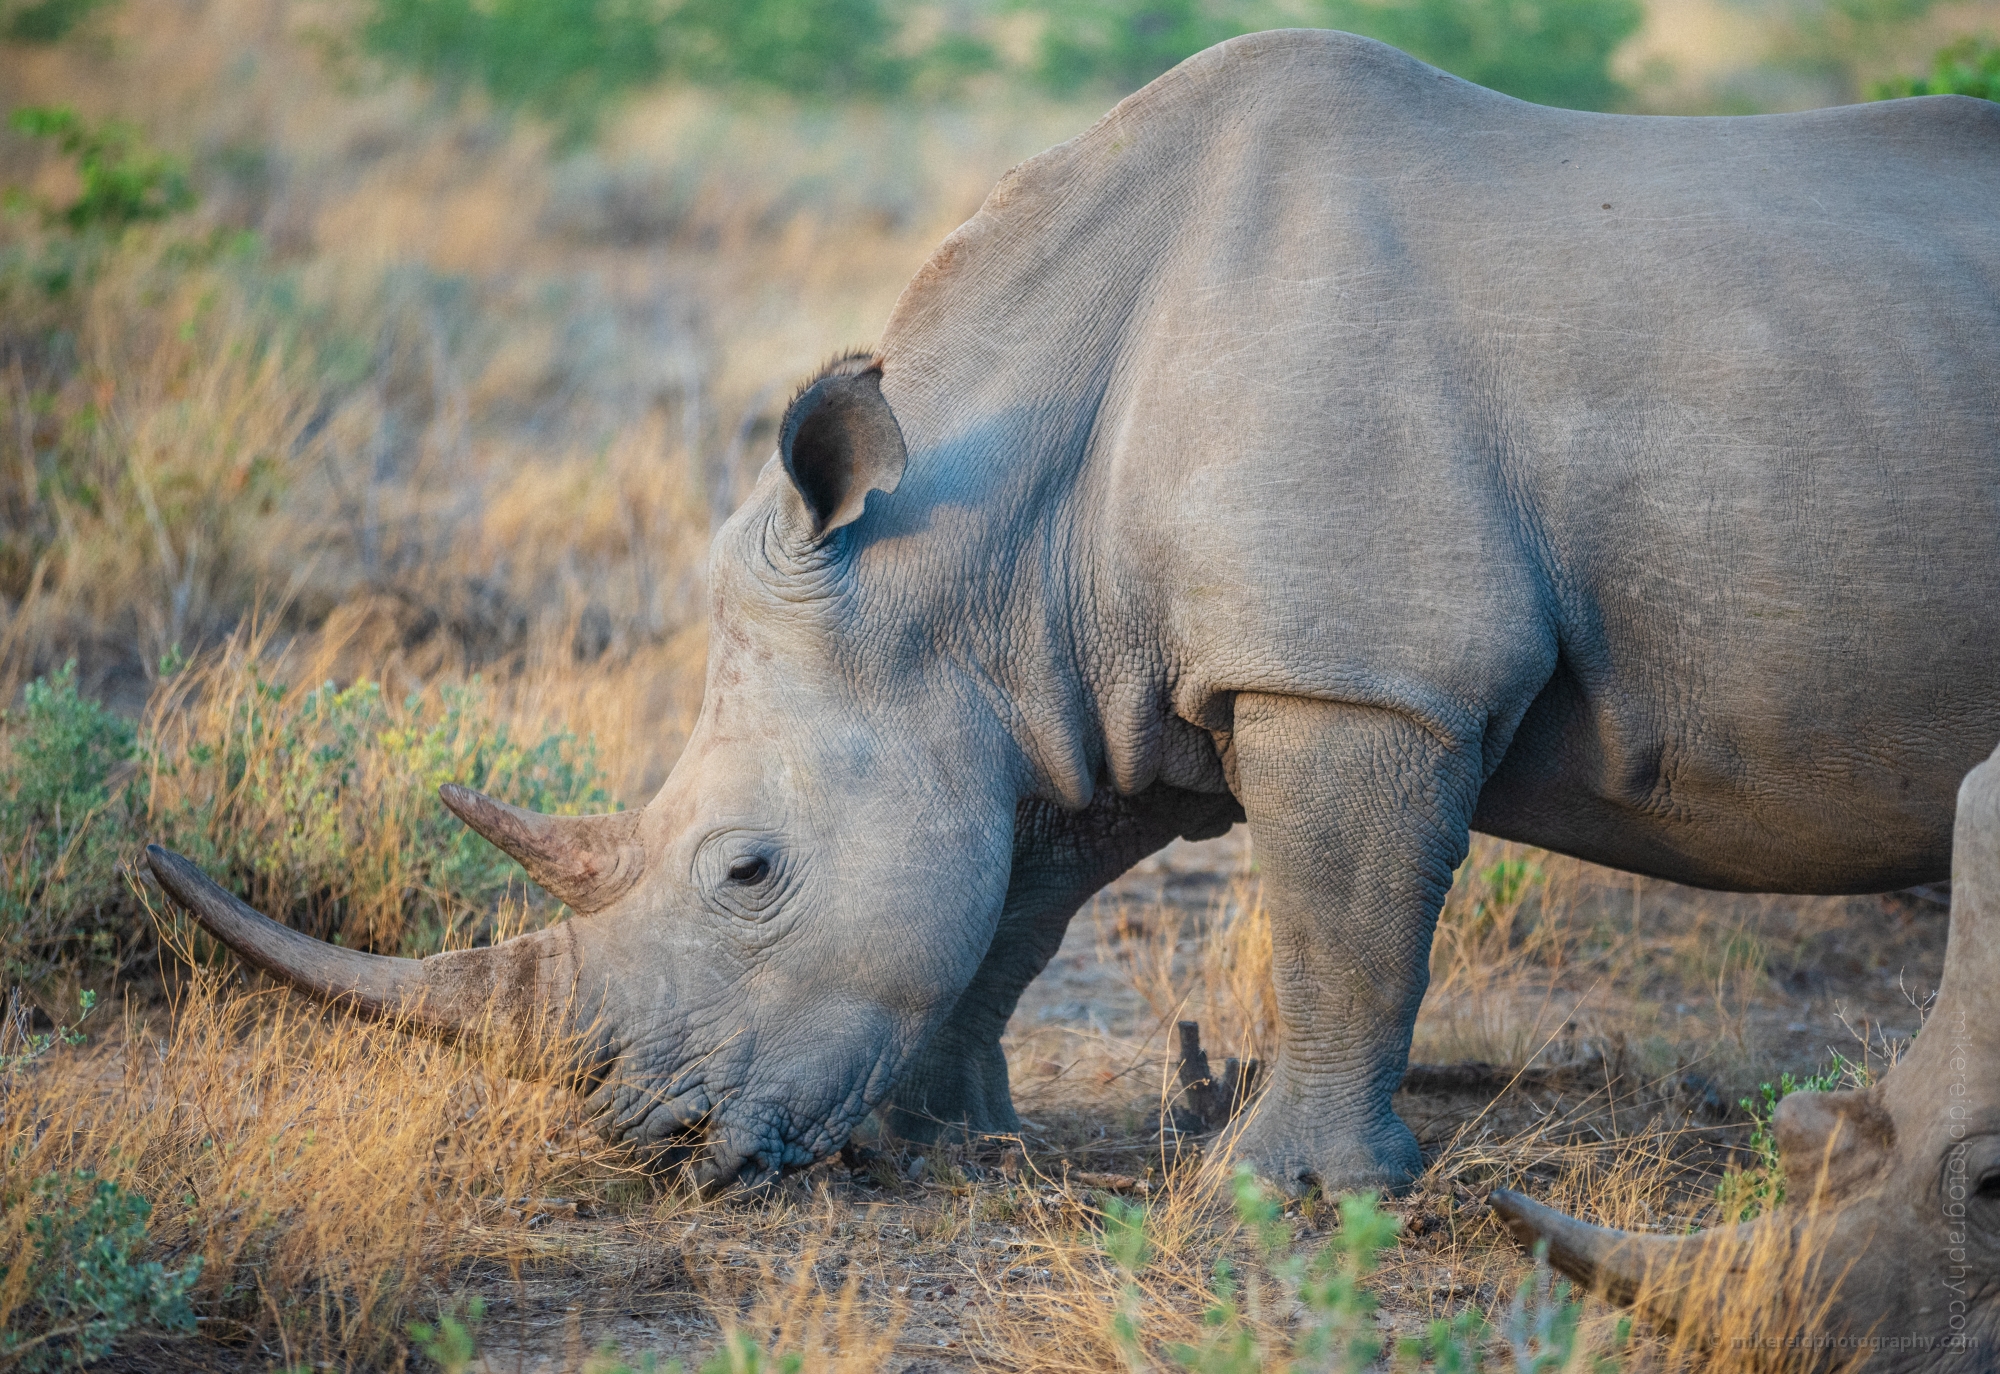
[
  {"x": 1989, "y": 1185},
  {"x": 748, "y": 870}
]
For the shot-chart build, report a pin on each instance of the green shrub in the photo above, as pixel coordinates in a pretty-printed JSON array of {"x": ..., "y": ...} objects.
[
  {"x": 826, "y": 48},
  {"x": 61, "y": 826},
  {"x": 453, "y": 1344},
  {"x": 84, "y": 1282},
  {"x": 319, "y": 805},
  {"x": 125, "y": 182},
  {"x": 1970, "y": 66},
  {"x": 19, "y": 1045},
  {"x": 1746, "y": 1194}
]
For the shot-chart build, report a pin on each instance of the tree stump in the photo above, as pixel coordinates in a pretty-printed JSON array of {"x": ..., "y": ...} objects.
[{"x": 1205, "y": 1101}]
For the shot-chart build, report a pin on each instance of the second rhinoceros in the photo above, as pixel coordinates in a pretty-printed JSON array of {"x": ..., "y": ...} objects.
[{"x": 1323, "y": 441}]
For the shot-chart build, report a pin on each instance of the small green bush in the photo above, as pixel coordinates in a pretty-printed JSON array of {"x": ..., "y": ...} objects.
[
  {"x": 822, "y": 48},
  {"x": 125, "y": 182},
  {"x": 61, "y": 826},
  {"x": 1338, "y": 1330},
  {"x": 1746, "y": 1194},
  {"x": 319, "y": 805},
  {"x": 452, "y": 1344},
  {"x": 1970, "y": 66},
  {"x": 85, "y": 1283}
]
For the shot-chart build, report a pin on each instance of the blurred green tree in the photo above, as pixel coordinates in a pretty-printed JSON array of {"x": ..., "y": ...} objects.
[
  {"x": 562, "y": 59},
  {"x": 1126, "y": 43},
  {"x": 808, "y": 47},
  {"x": 567, "y": 60},
  {"x": 1553, "y": 52},
  {"x": 41, "y": 22},
  {"x": 1971, "y": 66}
]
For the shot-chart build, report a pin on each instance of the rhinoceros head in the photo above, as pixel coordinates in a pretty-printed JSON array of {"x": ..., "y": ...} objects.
[
  {"x": 1889, "y": 1243},
  {"x": 757, "y": 951}
]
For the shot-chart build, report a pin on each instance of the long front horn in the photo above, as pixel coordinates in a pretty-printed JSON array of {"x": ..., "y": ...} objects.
[
  {"x": 585, "y": 862},
  {"x": 503, "y": 997},
  {"x": 1621, "y": 1265}
]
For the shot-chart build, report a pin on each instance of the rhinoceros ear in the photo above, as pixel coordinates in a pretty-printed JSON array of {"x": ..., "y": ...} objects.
[{"x": 840, "y": 441}]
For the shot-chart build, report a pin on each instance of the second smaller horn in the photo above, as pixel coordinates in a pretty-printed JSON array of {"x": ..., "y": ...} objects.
[{"x": 585, "y": 862}]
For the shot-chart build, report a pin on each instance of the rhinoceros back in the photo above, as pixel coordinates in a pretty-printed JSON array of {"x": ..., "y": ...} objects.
[{"x": 1658, "y": 458}]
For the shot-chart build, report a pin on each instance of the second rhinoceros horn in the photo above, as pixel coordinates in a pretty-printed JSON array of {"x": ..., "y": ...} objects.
[
  {"x": 587, "y": 862},
  {"x": 1891, "y": 1246}
]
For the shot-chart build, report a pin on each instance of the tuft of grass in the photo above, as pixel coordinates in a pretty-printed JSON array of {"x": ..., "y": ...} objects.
[{"x": 313, "y": 1182}]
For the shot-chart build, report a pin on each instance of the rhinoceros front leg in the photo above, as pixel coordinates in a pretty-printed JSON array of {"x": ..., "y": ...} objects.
[
  {"x": 1359, "y": 816},
  {"x": 957, "y": 1084}
]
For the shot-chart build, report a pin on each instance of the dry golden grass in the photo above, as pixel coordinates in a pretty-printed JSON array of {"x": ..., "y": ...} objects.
[
  {"x": 173, "y": 420},
  {"x": 330, "y": 1177}
]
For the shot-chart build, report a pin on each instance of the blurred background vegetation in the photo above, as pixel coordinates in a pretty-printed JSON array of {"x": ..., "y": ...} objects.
[{"x": 374, "y": 372}]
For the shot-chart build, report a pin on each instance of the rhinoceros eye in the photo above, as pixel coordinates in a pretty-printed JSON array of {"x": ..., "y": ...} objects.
[{"x": 749, "y": 869}]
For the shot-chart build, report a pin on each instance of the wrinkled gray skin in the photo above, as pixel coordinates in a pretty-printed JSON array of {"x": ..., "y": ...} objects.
[
  {"x": 1895, "y": 1190},
  {"x": 1328, "y": 441}
]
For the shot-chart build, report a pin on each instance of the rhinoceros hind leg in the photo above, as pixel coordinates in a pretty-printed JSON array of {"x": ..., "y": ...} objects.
[{"x": 1359, "y": 815}]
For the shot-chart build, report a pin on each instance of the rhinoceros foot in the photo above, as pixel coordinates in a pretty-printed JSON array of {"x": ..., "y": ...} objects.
[{"x": 1297, "y": 1153}]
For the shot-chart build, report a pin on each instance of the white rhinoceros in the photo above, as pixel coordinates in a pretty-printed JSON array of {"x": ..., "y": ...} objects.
[{"x": 1325, "y": 441}]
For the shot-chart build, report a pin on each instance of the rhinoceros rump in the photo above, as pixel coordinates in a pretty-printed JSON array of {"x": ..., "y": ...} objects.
[{"x": 1325, "y": 441}]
